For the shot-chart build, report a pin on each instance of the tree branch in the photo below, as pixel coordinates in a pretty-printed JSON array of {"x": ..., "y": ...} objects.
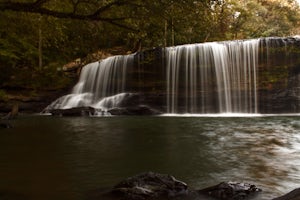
[
  {"x": 40, "y": 2},
  {"x": 38, "y": 8},
  {"x": 108, "y": 6}
]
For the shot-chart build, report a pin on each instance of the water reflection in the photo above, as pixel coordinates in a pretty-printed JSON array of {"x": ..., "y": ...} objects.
[{"x": 75, "y": 155}]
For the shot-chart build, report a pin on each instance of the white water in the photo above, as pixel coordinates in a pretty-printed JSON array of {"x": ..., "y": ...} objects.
[
  {"x": 101, "y": 85},
  {"x": 228, "y": 68},
  {"x": 104, "y": 78}
]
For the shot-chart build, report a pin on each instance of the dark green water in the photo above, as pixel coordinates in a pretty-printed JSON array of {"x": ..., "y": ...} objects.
[{"x": 47, "y": 158}]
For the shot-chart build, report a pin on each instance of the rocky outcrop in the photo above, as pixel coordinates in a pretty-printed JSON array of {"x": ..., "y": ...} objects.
[
  {"x": 150, "y": 186},
  {"x": 155, "y": 186},
  {"x": 282, "y": 99},
  {"x": 230, "y": 190},
  {"x": 123, "y": 104}
]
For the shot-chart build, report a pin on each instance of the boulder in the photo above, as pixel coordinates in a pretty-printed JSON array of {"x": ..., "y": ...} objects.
[
  {"x": 230, "y": 191},
  {"x": 155, "y": 186},
  {"x": 150, "y": 185}
]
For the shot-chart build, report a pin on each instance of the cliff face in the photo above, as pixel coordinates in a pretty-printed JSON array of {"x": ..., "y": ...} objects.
[
  {"x": 251, "y": 76},
  {"x": 279, "y": 77},
  {"x": 277, "y": 80}
]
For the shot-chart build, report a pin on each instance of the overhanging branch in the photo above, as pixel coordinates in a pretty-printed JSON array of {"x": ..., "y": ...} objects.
[{"x": 38, "y": 7}]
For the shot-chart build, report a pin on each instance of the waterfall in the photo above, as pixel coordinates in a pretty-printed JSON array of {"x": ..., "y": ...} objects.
[
  {"x": 104, "y": 78},
  {"x": 101, "y": 85},
  {"x": 241, "y": 76},
  {"x": 221, "y": 72}
]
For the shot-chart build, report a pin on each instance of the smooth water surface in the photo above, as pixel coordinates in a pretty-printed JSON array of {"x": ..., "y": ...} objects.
[{"x": 45, "y": 157}]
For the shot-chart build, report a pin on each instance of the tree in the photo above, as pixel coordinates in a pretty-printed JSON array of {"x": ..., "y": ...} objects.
[{"x": 265, "y": 18}]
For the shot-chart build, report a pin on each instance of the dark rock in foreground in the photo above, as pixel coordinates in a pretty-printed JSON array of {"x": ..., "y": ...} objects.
[
  {"x": 150, "y": 186},
  {"x": 230, "y": 190},
  {"x": 155, "y": 186}
]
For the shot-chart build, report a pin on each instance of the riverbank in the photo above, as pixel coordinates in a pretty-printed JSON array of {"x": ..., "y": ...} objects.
[{"x": 30, "y": 101}]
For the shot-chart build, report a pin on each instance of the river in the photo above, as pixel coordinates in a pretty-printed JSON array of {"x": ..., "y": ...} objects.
[{"x": 46, "y": 157}]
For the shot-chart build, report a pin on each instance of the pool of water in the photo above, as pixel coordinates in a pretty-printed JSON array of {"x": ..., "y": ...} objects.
[{"x": 46, "y": 157}]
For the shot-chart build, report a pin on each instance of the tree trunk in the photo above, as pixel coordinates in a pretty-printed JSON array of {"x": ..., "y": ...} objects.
[
  {"x": 40, "y": 44},
  {"x": 166, "y": 34}
]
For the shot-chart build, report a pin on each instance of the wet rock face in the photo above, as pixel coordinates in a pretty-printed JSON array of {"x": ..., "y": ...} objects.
[
  {"x": 80, "y": 111},
  {"x": 131, "y": 104},
  {"x": 137, "y": 110}
]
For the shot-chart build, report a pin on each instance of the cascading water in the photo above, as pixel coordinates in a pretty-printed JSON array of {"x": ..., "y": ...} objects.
[
  {"x": 242, "y": 76},
  {"x": 104, "y": 78},
  {"x": 221, "y": 72},
  {"x": 101, "y": 85}
]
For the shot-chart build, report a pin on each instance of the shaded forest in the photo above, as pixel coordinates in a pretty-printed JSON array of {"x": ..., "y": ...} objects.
[{"x": 39, "y": 36}]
